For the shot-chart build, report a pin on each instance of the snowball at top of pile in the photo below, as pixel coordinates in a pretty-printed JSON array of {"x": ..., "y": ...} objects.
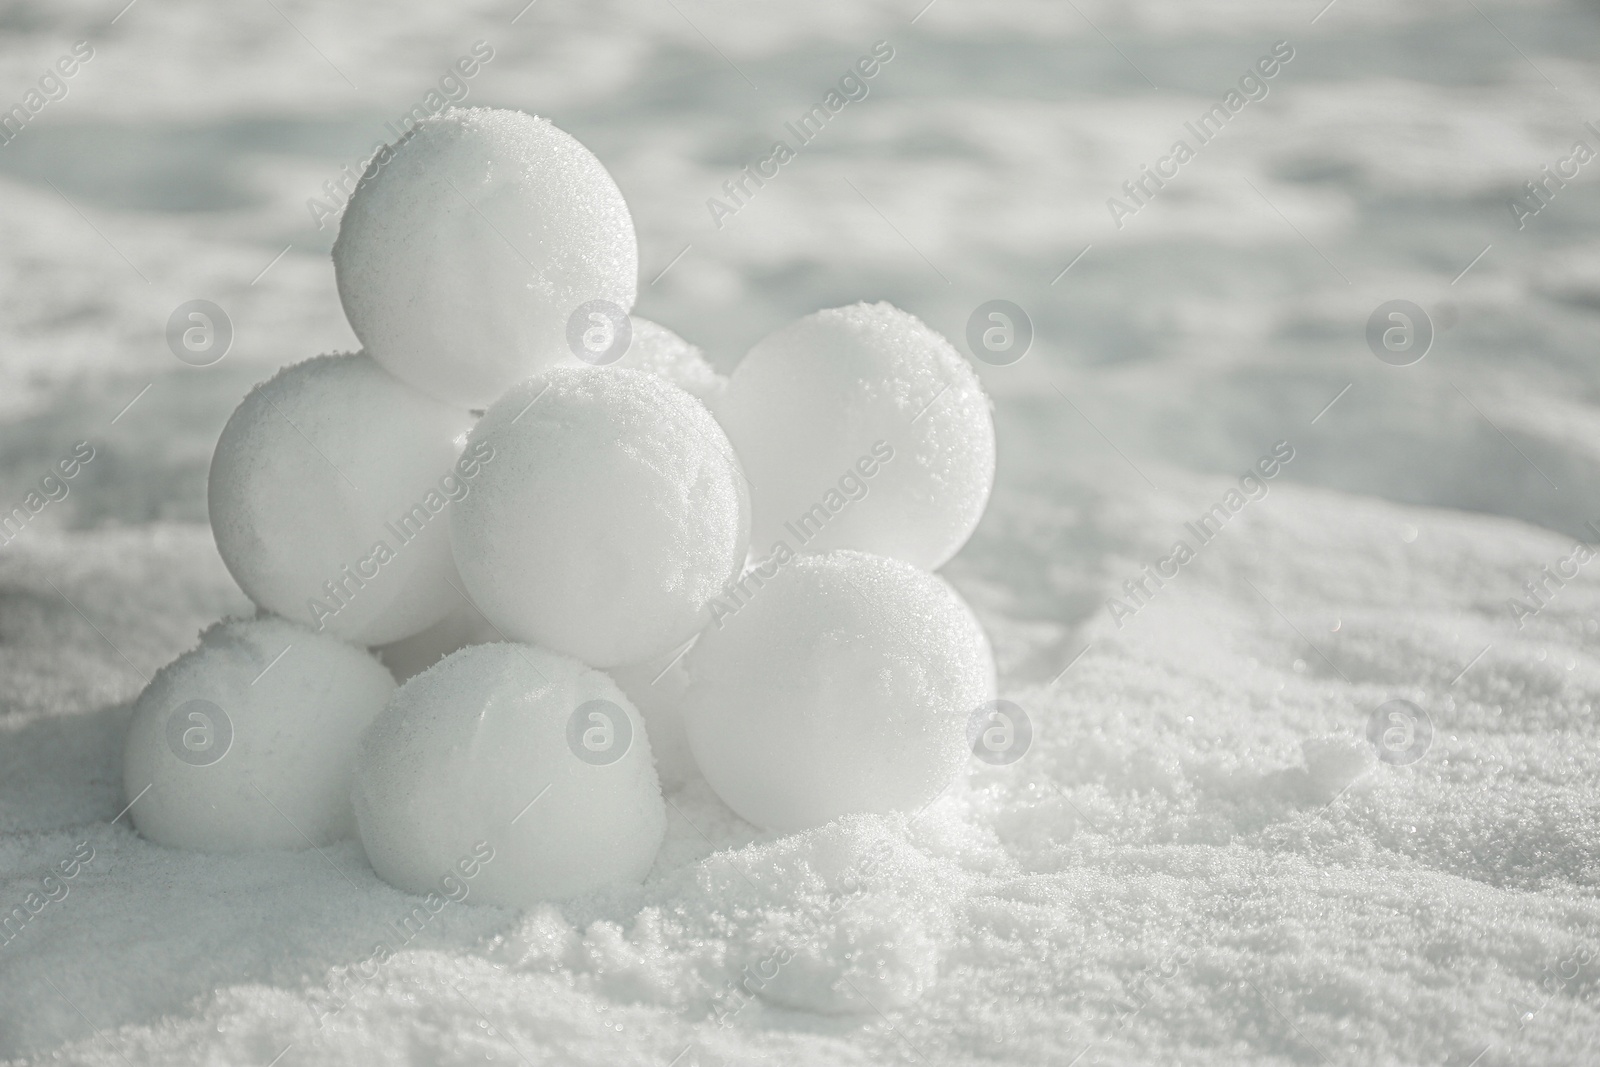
[
  {"x": 325, "y": 495},
  {"x": 516, "y": 748},
  {"x": 817, "y": 406},
  {"x": 844, "y": 684},
  {"x": 249, "y": 740},
  {"x": 614, "y": 513},
  {"x": 460, "y": 259}
]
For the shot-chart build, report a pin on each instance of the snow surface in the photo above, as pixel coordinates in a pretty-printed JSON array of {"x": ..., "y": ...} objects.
[{"x": 1199, "y": 860}]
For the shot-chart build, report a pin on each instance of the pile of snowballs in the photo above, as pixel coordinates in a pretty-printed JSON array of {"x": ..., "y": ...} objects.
[{"x": 526, "y": 505}]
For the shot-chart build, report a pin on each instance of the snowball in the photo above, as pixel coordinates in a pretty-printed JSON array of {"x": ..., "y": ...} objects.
[
  {"x": 663, "y": 353},
  {"x": 248, "y": 740},
  {"x": 327, "y": 491},
  {"x": 526, "y": 751},
  {"x": 614, "y": 513},
  {"x": 468, "y": 246},
  {"x": 832, "y": 684},
  {"x": 861, "y": 428}
]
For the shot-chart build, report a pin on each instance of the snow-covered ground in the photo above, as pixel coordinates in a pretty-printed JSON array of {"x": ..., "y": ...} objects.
[{"x": 1199, "y": 860}]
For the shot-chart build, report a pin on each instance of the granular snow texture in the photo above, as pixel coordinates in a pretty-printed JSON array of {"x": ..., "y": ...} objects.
[{"x": 1199, "y": 860}]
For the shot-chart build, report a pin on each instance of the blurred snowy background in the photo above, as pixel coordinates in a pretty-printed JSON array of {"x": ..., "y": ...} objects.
[{"x": 1199, "y": 860}]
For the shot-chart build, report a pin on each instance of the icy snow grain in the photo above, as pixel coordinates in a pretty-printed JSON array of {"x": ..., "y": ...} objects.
[
  {"x": 247, "y": 741},
  {"x": 465, "y": 249}
]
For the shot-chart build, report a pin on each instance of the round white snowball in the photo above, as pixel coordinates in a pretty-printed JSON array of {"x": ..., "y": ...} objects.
[
  {"x": 613, "y": 513},
  {"x": 249, "y": 740},
  {"x": 663, "y": 353},
  {"x": 861, "y": 428},
  {"x": 326, "y": 493},
  {"x": 468, "y": 246},
  {"x": 843, "y": 683},
  {"x": 518, "y": 748}
]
